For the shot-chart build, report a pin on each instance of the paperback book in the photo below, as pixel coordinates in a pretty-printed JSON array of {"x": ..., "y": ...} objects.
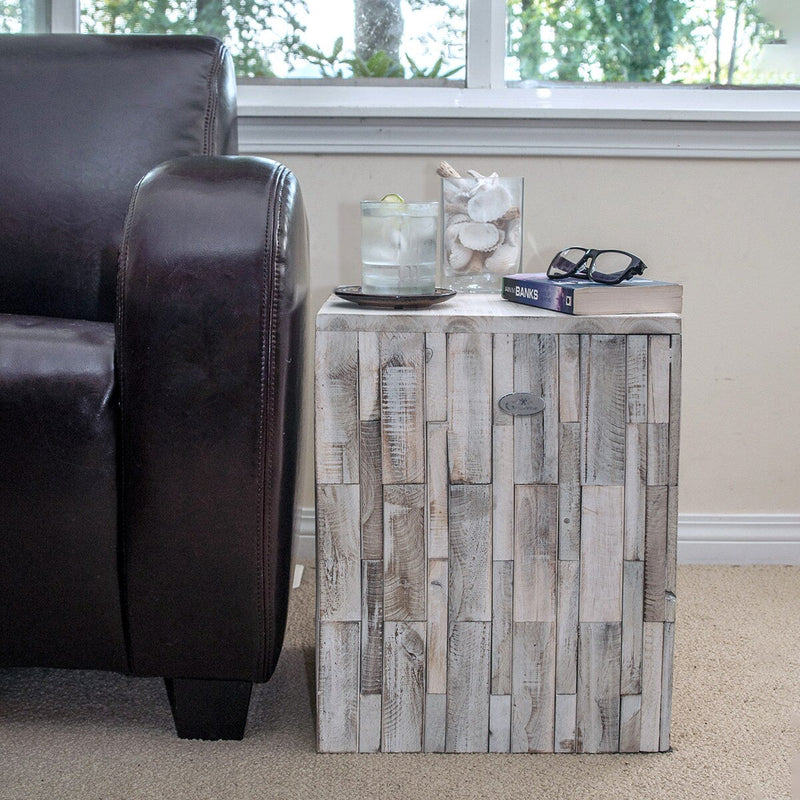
[{"x": 575, "y": 296}]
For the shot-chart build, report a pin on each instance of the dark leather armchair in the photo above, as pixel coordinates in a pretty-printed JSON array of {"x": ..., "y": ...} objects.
[{"x": 152, "y": 292}]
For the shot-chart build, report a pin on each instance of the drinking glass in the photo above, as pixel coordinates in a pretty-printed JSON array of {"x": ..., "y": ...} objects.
[{"x": 398, "y": 247}]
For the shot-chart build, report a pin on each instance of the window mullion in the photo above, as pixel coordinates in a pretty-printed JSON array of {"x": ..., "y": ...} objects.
[
  {"x": 486, "y": 44},
  {"x": 65, "y": 16}
]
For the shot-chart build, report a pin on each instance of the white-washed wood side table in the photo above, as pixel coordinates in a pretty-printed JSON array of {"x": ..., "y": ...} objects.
[{"x": 493, "y": 581}]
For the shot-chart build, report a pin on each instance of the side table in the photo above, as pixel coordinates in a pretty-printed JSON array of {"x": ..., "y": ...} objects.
[{"x": 496, "y": 491}]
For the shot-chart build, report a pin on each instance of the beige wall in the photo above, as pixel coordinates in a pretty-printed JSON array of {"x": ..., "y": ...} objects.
[{"x": 715, "y": 226}]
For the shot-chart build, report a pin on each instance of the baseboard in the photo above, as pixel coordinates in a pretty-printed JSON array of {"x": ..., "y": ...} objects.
[{"x": 702, "y": 538}]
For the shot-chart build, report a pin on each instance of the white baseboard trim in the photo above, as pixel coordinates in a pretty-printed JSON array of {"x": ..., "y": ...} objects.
[{"x": 702, "y": 538}]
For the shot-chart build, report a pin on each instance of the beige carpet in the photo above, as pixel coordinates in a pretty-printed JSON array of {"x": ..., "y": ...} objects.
[{"x": 735, "y": 734}]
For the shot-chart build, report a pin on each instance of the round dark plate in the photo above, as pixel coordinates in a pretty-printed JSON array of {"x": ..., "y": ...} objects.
[{"x": 355, "y": 295}]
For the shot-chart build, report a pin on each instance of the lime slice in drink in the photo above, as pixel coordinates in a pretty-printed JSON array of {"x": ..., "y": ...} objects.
[{"x": 392, "y": 198}]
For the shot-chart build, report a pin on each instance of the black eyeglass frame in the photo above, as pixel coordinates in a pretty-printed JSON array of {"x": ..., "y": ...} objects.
[{"x": 585, "y": 269}]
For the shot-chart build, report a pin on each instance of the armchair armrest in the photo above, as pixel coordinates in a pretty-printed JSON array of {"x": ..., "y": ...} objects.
[{"x": 211, "y": 297}]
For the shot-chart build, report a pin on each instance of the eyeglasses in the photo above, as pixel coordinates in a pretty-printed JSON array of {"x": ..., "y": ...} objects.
[{"x": 602, "y": 266}]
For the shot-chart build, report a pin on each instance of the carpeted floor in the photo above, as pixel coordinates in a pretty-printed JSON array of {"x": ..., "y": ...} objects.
[{"x": 735, "y": 734}]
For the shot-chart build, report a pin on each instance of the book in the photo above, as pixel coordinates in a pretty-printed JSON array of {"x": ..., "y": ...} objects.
[{"x": 575, "y": 296}]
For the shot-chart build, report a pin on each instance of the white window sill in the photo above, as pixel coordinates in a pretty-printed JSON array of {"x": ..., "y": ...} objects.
[{"x": 682, "y": 122}]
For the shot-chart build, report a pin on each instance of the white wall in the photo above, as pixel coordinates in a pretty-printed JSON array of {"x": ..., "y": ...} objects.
[{"x": 728, "y": 230}]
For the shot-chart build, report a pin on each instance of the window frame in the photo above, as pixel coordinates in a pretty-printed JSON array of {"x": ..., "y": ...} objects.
[{"x": 487, "y": 117}]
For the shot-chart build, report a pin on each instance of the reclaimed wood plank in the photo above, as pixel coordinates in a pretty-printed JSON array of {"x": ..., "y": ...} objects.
[
  {"x": 674, "y": 410},
  {"x": 470, "y": 553},
  {"x": 437, "y": 626},
  {"x": 598, "y": 699},
  {"x": 369, "y": 407},
  {"x": 503, "y": 493},
  {"x": 371, "y": 627},
  {"x": 435, "y": 722},
  {"x": 569, "y": 491},
  {"x": 338, "y": 553},
  {"x": 336, "y": 404},
  {"x": 435, "y": 377},
  {"x": 635, "y": 489},
  {"x": 535, "y": 553},
  {"x": 371, "y": 489},
  {"x": 369, "y": 723},
  {"x": 404, "y": 582},
  {"x": 469, "y": 397},
  {"x": 667, "y": 658},
  {"x": 337, "y": 687},
  {"x": 402, "y": 381},
  {"x": 438, "y": 491},
  {"x": 500, "y": 723},
  {"x": 601, "y": 554},
  {"x": 536, "y": 435},
  {"x": 636, "y": 383},
  {"x": 502, "y": 376},
  {"x": 658, "y": 370},
  {"x": 655, "y": 545},
  {"x": 502, "y": 626},
  {"x": 567, "y": 627},
  {"x": 533, "y": 688},
  {"x": 468, "y": 667},
  {"x": 404, "y": 687},
  {"x": 632, "y": 617},
  {"x": 569, "y": 377},
  {"x": 657, "y": 454},
  {"x": 652, "y": 667},
  {"x": 566, "y": 723},
  {"x": 603, "y": 409},
  {"x": 630, "y": 723},
  {"x": 671, "y": 557}
]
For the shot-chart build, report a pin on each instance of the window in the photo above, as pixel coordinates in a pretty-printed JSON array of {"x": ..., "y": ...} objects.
[{"x": 574, "y": 77}]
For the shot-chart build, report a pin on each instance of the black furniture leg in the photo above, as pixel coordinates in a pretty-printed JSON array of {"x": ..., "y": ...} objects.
[{"x": 209, "y": 709}]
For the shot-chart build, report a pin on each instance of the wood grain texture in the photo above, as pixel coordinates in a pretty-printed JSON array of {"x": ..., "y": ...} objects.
[
  {"x": 500, "y": 723},
  {"x": 533, "y": 694},
  {"x": 437, "y": 626},
  {"x": 468, "y": 665},
  {"x": 569, "y": 491},
  {"x": 402, "y": 382},
  {"x": 652, "y": 667},
  {"x": 636, "y": 382},
  {"x": 598, "y": 687},
  {"x": 655, "y": 546},
  {"x": 503, "y": 493},
  {"x": 369, "y": 723},
  {"x": 604, "y": 404},
  {"x": 404, "y": 687},
  {"x": 435, "y": 722},
  {"x": 470, "y": 553},
  {"x": 632, "y": 617},
  {"x": 674, "y": 410},
  {"x": 601, "y": 554},
  {"x": 502, "y": 626},
  {"x": 657, "y": 454},
  {"x": 369, "y": 407},
  {"x": 658, "y": 370},
  {"x": 371, "y": 489},
  {"x": 565, "y": 723},
  {"x": 567, "y": 627},
  {"x": 338, "y": 553},
  {"x": 535, "y": 553},
  {"x": 337, "y": 687},
  {"x": 635, "y": 489},
  {"x": 630, "y": 723},
  {"x": 438, "y": 487},
  {"x": 502, "y": 376},
  {"x": 536, "y": 435},
  {"x": 435, "y": 377},
  {"x": 667, "y": 660},
  {"x": 404, "y": 582},
  {"x": 469, "y": 396},
  {"x": 336, "y": 403},
  {"x": 371, "y": 627},
  {"x": 569, "y": 377}
]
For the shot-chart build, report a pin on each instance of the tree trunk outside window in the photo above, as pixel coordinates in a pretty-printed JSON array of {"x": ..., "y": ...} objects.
[{"x": 378, "y": 26}]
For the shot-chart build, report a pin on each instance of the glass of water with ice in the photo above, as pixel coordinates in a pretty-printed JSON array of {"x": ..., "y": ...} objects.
[{"x": 398, "y": 247}]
